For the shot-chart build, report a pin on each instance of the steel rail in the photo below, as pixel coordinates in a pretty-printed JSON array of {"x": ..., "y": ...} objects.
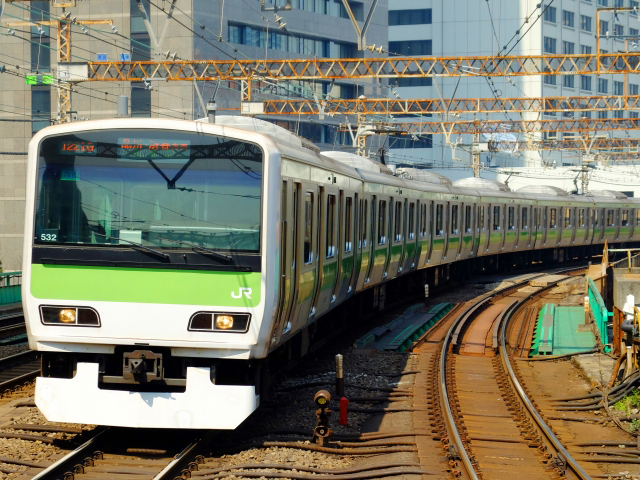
[
  {"x": 562, "y": 452},
  {"x": 69, "y": 461},
  {"x": 456, "y": 326}
]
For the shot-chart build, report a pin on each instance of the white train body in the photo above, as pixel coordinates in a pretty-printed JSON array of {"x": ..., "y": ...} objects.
[{"x": 165, "y": 260}]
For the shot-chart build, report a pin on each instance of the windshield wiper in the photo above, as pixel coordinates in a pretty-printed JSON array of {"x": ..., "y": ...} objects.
[
  {"x": 134, "y": 244},
  {"x": 213, "y": 253}
]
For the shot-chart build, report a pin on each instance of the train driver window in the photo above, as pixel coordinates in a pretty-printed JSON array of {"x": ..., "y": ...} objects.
[
  {"x": 382, "y": 222},
  {"x": 581, "y": 218},
  {"x": 412, "y": 220},
  {"x": 567, "y": 218},
  {"x": 439, "y": 219},
  {"x": 512, "y": 218},
  {"x": 397, "y": 227},
  {"x": 496, "y": 218},
  {"x": 467, "y": 219},
  {"x": 625, "y": 218},
  {"x": 552, "y": 218},
  {"x": 331, "y": 218},
  {"x": 454, "y": 219},
  {"x": 308, "y": 228},
  {"x": 609, "y": 218},
  {"x": 348, "y": 224},
  {"x": 524, "y": 220}
]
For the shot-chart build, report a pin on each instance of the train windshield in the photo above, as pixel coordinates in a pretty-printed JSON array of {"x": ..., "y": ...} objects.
[{"x": 156, "y": 188}]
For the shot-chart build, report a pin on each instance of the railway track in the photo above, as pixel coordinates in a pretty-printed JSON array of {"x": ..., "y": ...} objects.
[{"x": 478, "y": 408}]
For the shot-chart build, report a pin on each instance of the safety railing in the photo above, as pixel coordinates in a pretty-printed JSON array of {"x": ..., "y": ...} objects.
[
  {"x": 599, "y": 310},
  {"x": 10, "y": 288}
]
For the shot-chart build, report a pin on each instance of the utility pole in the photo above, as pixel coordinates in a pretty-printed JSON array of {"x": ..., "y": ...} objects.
[
  {"x": 63, "y": 24},
  {"x": 475, "y": 156}
]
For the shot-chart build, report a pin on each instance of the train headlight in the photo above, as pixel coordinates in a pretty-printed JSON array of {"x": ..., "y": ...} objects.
[
  {"x": 67, "y": 315},
  {"x": 224, "y": 322},
  {"x": 219, "y": 322},
  {"x": 78, "y": 316}
]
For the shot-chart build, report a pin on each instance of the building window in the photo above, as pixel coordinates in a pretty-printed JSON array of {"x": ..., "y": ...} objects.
[
  {"x": 604, "y": 27},
  {"x": 633, "y": 89},
  {"x": 633, "y": 32},
  {"x": 550, "y": 14},
  {"x": 585, "y": 23},
  {"x": 603, "y": 85},
  {"x": 634, "y": 115},
  {"x": 425, "y": 141},
  {"x": 603, "y": 115},
  {"x": 585, "y": 49},
  {"x": 568, "y": 81},
  {"x": 410, "y": 17},
  {"x": 568, "y": 48},
  {"x": 40, "y": 107},
  {"x": 603, "y": 3},
  {"x": 415, "y": 82},
  {"x": 632, "y": 4},
  {"x": 550, "y": 80},
  {"x": 549, "y": 45},
  {"x": 568, "y": 18},
  {"x": 585, "y": 82},
  {"x": 140, "y": 101},
  {"x": 618, "y": 114},
  {"x": 618, "y": 29},
  {"x": 40, "y": 41},
  {"x": 411, "y": 47},
  {"x": 618, "y": 88},
  {"x": 618, "y": 3}
]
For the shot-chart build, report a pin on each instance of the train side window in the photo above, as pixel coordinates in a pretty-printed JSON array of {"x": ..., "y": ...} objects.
[
  {"x": 581, "y": 218},
  {"x": 397, "y": 226},
  {"x": 331, "y": 218},
  {"x": 552, "y": 218},
  {"x": 512, "y": 218},
  {"x": 308, "y": 228},
  {"x": 382, "y": 222},
  {"x": 609, "y": 218},
  {"x": 480, "y": 226},
  {"x": 524, "y": 221},
  {"x": 467, "y": 219},
  {"x": 412, "y": 222},
  {"x": 496, "y": 218},
  {"x": 596, "y": 217},
  {"x": 625, "y": 218},
  {"x": 439, "y": 219},
  {"x": 454, "y": 219},
  {"x": 638, "y": 218},
  {"x": 348, "y": 224},
  {"x": 567, "y": 218}
]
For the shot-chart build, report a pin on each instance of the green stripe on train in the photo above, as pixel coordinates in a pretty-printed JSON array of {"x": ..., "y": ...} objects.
[{"x": 145, "y": 285}]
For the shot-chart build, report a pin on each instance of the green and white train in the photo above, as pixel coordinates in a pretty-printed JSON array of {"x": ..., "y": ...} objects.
[{"x": 166, "y": 263}]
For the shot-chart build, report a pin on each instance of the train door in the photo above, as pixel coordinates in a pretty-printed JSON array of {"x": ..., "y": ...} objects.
[
  {"x": 566, "y": 226},
  {"x": 544, "y": 224},
  {"x": 496, "y": 234},
  {"x": 625, "y": 229},
  {"x": 328, "y": 251},
  {"x": 397, "y": 219},
  {"x": 305, "y": 257},
  {"x": 364, "y": 241},
  {"x": 581, "y": 226},
  {"x": 411, "y": 237},
  {"x": 289, "y": 221},
  {"x": 511, "y": 228},
  {"x": 346, "y": 247},
  {"x": 635, "y": 216},
  {"x": 380, "y": 243},
  {"x": 466, "y": 228},
  {"x": 439, "y": 234},
  {"x": 424, "y": 233},
  {"x": 480, "y": 247}
]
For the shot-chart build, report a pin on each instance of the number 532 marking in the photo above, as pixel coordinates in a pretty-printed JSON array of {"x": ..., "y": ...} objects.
[{"x": 48, "y": 237}]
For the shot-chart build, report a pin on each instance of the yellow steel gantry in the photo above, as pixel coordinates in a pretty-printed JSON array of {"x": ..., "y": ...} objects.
[{"x": 422, "y": 106}]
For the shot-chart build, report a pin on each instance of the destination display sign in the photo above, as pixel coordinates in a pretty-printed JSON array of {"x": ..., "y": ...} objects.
[
  {"x": 152, "y": 148},
  {"x": 76, "y": 147}
]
